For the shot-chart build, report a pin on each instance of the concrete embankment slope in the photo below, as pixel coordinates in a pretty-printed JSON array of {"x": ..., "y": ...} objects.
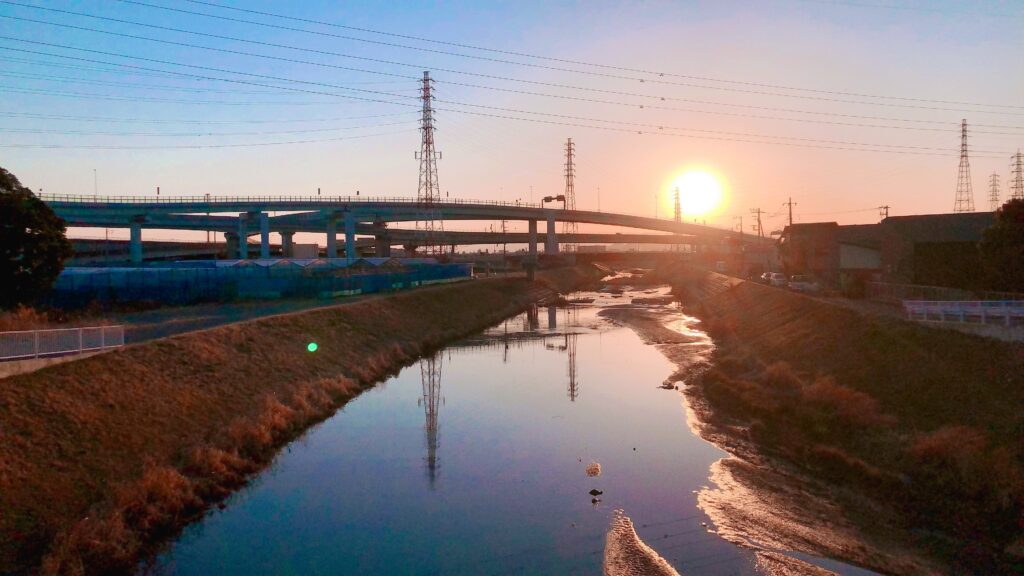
[
  {"x": 926, "y": 421},
  {"x": 101, "y": 457}
]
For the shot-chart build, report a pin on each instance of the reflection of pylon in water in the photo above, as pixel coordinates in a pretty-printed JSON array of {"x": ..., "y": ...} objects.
[
  {"x": 430, "y": 373},
  {"x": 573, "y": 388},
  {"x": 570, "y": 349}
]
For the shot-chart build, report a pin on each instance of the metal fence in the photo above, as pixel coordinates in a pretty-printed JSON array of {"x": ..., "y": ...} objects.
[
  {"x": 1006, "y": 312},
  {"x": 78, "y": 288},
  {"x": 897, "y": 293},
  {"x": 40, "y": 343}
]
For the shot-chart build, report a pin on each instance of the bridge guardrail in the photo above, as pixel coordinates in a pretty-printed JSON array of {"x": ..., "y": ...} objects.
[
  {"x": 24, "y": 344},
  {"x": 211, "y": 203},
  {"x": 213, "y": 200}
]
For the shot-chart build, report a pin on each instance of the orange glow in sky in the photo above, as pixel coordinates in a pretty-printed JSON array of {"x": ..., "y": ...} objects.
[{"x": 700, "y": 192}]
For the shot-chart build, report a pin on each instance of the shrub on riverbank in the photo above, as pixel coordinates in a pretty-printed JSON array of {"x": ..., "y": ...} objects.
[{"x": 927, "y": 420}]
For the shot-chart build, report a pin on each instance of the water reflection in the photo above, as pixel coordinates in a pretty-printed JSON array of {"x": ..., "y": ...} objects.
[
  {"x": 350, "y": 497},
  {"x": 430, "y": 377}
]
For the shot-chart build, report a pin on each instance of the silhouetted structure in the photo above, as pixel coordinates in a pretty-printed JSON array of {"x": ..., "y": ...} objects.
[
  {"x": 429, "y": 192},
  {"x": 570, "y": 192},
  {"x": 964, "y": 193}
]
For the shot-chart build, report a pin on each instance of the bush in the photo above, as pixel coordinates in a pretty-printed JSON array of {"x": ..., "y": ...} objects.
[{"x": 852, "y": 407}]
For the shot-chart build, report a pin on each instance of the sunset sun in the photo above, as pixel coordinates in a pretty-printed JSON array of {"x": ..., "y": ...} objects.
[{"x": 700, "y": 192}]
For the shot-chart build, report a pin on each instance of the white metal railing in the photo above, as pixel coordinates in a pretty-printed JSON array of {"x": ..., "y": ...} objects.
[
  {"x": 964, "y": 311},
  {"x": 39, "y": 343},
  {"x": 214, "y": 200},
  {"x": 897, "y": 293}
]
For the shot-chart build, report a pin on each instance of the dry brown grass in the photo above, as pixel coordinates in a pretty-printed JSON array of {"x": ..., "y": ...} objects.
[
  {"x": 101, "y": 457},
  {"x": 22, "y": 318},
  {"x": 929, "y": 419}
]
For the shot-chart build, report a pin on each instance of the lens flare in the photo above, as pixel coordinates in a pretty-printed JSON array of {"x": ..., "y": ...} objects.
[{"x": 312, "y": 347}]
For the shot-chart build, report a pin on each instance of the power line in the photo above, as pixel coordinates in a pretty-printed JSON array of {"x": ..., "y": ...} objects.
[
  {"x": 193, "y": 134},
  {"x": 417, "y": 66},
  {"x": 75, "y": 118},
  {"x": 841, "y": 146},
  {"x": 657, "y": 74},
  {"x": 203, "y": 146},
  {"x": 92, "y": 96},
  {"x": 661, "y": 129},
  {"x": 74, "y": 80},
  {"x": 609, "y": 102}
]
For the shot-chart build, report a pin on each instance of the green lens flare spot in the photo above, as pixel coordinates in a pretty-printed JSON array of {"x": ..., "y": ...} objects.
[{"x": 312, "y": 347}]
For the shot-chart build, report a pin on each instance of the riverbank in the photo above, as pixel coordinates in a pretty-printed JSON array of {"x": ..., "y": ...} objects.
[
  {"x": 902, "y": 442},
  {"x": 102, "y": 457}
]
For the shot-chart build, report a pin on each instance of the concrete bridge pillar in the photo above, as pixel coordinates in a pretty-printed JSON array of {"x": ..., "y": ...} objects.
[
  {"x": 332, "y": 236},
  {"x": 288, "y": 244},
  {"x": 135, "y": 245},
  {"x": 264, "y": 235},
  {"x": 531, "y": 258},
  {"x": 551, "y": 242},
  {"x": 231, "y": 242},
  {"x": 350, "y": 237},
  {"x": 243, "y": 236},
  {"x": 382, "y": 246}
]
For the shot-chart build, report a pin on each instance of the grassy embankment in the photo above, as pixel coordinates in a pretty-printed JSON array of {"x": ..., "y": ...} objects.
[
  {"x": 928, "y": 421},
  {"x": 102, "y": 457}
]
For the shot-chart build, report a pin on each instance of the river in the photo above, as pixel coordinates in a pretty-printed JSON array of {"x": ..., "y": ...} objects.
[{"x": 476, "y": 462}]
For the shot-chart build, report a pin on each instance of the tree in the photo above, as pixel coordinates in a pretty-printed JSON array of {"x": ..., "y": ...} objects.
[
  {"x": 33, "y": 245},
  {"x": 1002, "y": 248}
]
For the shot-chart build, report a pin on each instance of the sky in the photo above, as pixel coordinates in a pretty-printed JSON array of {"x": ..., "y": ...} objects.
[{"x": 841, "y": 106}]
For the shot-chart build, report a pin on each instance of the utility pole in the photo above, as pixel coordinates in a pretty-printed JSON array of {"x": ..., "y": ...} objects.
[
  {"x": 740, "y": 218},
  {"x": 428, "y": 193},
  {"x": 790, "y": 204},
  {"x": 570, "y": 193},
  {"x": 1016, "y": 179},
  {"x": 757, "y": 212},
  {"x": 964, "y": 194},
  {"x": 993, "y": 192},
  {"x": 883, "y": 211}
]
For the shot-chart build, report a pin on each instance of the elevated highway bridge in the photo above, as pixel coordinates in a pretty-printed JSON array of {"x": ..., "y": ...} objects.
[{"x": 241, "y": 217}]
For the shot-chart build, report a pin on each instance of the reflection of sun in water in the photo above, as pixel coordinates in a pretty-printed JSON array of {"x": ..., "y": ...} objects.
[{"x": 700, "y": 192}]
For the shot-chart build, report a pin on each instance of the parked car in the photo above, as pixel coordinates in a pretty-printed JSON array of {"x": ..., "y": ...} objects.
[
  {"x": 805, "y": 284},
  {"x": 777, "y": 279},
  {"x": 765, "y": 278}
]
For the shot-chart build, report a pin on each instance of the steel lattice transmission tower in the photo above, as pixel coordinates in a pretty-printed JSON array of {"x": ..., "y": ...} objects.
[
  {"x": 964, "y": 193},
  {"x": 430, "y": 374},
  {"x": 428, "y": 194},
  {"x": 677, "y": 207},
  {"x": 570, "y": 193},
  {"x": 993, "y": 191},
  {"x": 1016, "y": 180}
]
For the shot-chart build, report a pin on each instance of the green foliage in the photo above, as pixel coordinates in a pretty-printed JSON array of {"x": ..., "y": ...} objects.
[
  {"x": 1002, "y": 248},
  {"x": 33, "y": 245}
]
